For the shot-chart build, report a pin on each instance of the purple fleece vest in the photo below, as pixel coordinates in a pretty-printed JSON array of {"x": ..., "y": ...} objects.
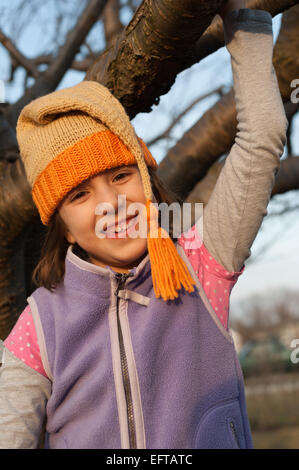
[{"x": 186, "y": 385}]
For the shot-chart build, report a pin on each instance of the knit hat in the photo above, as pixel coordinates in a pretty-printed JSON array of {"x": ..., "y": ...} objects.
[{"x": 72, "y": 134}]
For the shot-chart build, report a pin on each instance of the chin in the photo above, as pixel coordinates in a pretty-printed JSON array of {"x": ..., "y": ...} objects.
[
  {"x": 134, "y": 260},
  {"x": 126, "y": 258},
  {"x": 132, "y": 257}
]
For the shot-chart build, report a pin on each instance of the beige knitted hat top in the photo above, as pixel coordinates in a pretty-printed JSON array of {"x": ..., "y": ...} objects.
[{"x": 72, "y": 134}]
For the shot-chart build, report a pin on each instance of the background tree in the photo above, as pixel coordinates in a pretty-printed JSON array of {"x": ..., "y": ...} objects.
[{"x": 136, "y": 49}]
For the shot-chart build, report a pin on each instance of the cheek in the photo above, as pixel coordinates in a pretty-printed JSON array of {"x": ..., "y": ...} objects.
[
  {"x": 136, "y": 191},
  {"x": 77, "y": 220}
]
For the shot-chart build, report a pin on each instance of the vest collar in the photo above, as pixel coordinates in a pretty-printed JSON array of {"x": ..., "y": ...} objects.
[{"x": 89, "y": 277}]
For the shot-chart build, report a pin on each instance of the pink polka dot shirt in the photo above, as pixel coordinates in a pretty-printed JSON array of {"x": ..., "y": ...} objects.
[
  {"x": 22, "y": 342},
  {"x": 216, "y": 281}
]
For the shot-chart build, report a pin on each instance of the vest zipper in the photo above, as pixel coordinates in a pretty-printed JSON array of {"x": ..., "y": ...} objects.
[
  {"x": 233, "y": 428},
  {"x": 121, "y": 279}
]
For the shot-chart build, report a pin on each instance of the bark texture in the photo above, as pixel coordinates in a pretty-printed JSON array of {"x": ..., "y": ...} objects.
[
  {"x": 158, "y": 43},
  {"x": 144, "y": 60}
]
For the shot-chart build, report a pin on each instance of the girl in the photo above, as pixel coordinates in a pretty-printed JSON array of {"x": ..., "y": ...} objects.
[{"x": 125, "y": 343}]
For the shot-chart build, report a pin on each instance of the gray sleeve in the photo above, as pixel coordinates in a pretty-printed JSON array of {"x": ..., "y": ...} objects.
[
  {"x": 242, "y": 192},
  {"x": 23, "y": 397}
]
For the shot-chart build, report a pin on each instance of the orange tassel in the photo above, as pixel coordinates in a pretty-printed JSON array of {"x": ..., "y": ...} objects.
[{"x": 169, "y": 271}]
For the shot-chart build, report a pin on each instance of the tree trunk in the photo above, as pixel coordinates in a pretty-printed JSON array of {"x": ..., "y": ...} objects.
[{"x": 15, "y": 213}]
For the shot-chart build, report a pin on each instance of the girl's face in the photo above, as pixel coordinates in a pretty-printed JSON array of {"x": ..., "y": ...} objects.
[{"x": 78, "y": 212}]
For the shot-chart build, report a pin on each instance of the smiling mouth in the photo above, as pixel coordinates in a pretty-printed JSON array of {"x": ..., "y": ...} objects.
[{"x": 113, "y": 231}]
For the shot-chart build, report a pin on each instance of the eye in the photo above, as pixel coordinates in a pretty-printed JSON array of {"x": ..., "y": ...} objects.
[
  {"x": 120, "y": 174},
  {"x": 77, "y": 194}
]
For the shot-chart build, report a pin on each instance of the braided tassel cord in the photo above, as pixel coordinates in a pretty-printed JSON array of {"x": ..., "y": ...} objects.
[{"x": 169, "y": 271}]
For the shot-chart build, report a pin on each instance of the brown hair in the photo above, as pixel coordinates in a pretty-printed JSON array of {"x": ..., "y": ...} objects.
[{"x": 50, "y": 269}]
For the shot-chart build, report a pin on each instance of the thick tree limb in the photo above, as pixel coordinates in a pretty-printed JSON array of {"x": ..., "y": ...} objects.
[
  {"x": 213, "y": 37},
  {"x": 143, "y": 63},
  {"x": 145, "y": 59},
  {"x": 8, "y": 141},
  {"x": 287, "y": 179},
  {"x": 15, "y": 213}
]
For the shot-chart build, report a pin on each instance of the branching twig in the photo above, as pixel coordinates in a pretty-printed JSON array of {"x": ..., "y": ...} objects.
[
  {"x": 48, "y": 80},
  {"x": 262, "y": 251},
  {"x": 28, "y": 64},
  {"x": 167, "y": 131},
  {"x": 112, "y": 23},
  {"x": 80, "y": 65},
  {"x": 74, "y": 40}
]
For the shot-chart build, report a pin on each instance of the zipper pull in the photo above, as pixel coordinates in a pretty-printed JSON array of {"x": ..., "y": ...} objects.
[{"x": 121, "y": 279}]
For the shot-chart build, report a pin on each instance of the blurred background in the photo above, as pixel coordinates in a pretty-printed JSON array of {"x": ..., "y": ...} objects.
[{"x": 264, "y": 316}]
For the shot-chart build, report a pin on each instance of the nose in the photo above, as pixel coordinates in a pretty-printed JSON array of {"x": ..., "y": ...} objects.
[{"x": 110, "y": 203}]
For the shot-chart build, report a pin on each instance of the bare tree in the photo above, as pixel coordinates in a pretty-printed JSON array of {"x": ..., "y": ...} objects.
[
  {"x": 138, "y": 64},
  {"x": 265, "y": 316}
]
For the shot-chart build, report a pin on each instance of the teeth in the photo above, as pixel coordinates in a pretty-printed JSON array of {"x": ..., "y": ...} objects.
[
  {"x": 124, "y": 227},
  {"x": 121, "y": 228}
]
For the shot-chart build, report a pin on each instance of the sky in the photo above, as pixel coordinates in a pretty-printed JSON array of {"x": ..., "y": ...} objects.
[{"x": 278, "y": 266}]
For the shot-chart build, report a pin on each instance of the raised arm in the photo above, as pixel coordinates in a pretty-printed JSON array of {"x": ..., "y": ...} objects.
[{"x": 239, "y": 201}]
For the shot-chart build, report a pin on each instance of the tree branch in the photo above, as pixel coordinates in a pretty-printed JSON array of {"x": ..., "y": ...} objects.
[
  {"x": 287, "y": 179},
  {"x": 157, "y": 44},
  {"x": 112, "y": 23},
  {"x": 213, "y": 37},
  {"x": 28, "y": 64},
  {"x": 48, "y": 80},
  {"x": 80, "y": 65},
  {"x": 15, "y": 214},
  {"x": 201, "y": 146},
  {"x": 145, "y": 59},
  {"x": 177, "y": 119}
]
